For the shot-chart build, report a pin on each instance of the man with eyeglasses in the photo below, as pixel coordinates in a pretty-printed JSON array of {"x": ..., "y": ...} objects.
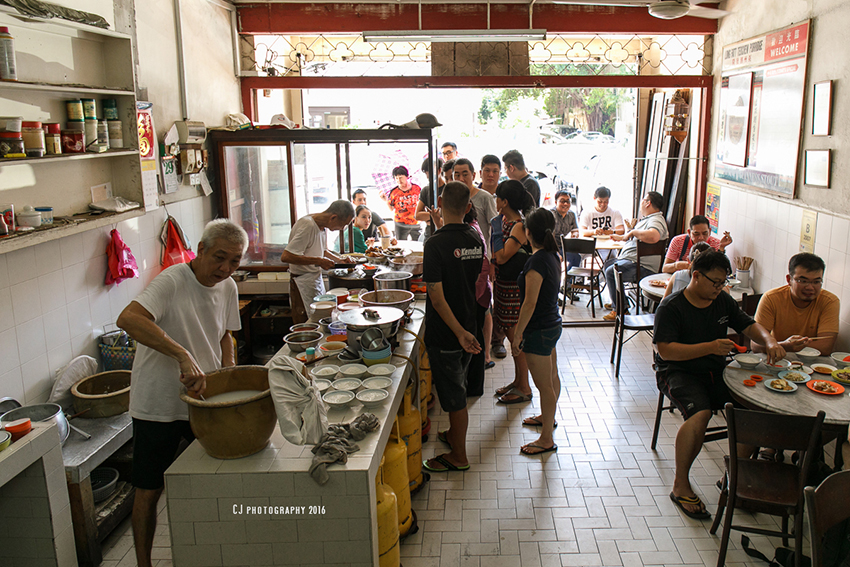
[
  {"x": 690, "y": 336},
  {"x": 680, "y": 246},
  {"x": 802, "y": 310},
  {"x": 449, "y": 151}
]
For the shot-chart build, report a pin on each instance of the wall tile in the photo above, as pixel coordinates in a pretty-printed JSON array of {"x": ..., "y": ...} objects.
[
  {"x": 147, "y": 257},
  {"x": 824, "y": 233},
  {"x": 7, "y": 315},
  {"x": 4, "y": 272},
  {"x": 21, "y": 265},
  {"x": 31, "y": 340},
  {"x": 37, "y": 380},
  {"x": 117, "y": 299},
  {"x": 59, "y": 356},
  {"x": 148, "y": 228},
  {"x": 72, "y": 250},
  {"x": 134, "y": 287},
  {"x": 100, "y": 310},
  {"x": 129, "y": 231},
  {"x": 56, "y": 330},
  {"x": 85, "y": 344},
  {"x": 12, "y": 385},
  {"x": 96, "y": 273},
  {"x": 835, "y": 264},
  {"x": 75, "y": 282},
  {"x": 51, "y": 289},
  {"x": 26, "y": 301},
  {"x": 95, "y": 242},
  {"x": 48, "y": 257},
  {"x": 79, "y": 317},
  {"x": 839, "y": 233},
  {"x": 795, "y": 219},
  {"x": 9, "y": 357}
]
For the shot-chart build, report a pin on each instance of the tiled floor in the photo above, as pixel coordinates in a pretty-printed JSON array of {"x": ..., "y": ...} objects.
[{"x": 602, "y": 499}]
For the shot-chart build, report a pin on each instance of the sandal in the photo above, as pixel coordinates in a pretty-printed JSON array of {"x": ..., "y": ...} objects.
[
  {"x": 518, "y": 397},
  {"x": 535, "y": 422},
  {"x": 447, "y": 465},
  {"x": 489, "y": 365},
  {"x": 525, "y": 449},
  {"x": 694, "y": 501},
  {"x": 441, "y": 436},
  {"x": 504, "y": 389}
]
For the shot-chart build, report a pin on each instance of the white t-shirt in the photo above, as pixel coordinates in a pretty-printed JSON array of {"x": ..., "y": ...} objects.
[
  {"x": 194, "y": 316},
  {"x": 306, "y": 239},
  {"x": 591, "y": 219},
  {"x": 485, "y": 210}
]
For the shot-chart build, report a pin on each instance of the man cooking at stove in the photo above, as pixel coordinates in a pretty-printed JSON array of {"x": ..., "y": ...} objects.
[
  {"x": 307, "y": 255},
  {"x": 182, "y": 322}
]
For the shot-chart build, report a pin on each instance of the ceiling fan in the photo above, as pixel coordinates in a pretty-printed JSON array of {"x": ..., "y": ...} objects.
[{"x": 672, "y": 9}]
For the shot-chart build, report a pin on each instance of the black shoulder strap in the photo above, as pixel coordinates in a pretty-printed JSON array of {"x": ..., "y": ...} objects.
[{"x": 683, "y": 255}]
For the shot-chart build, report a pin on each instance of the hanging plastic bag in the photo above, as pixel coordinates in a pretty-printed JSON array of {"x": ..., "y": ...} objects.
[
  {"x": 301, "y": 412},
  {"x": 175, "y": 250},
  {"x": 122, "y": 264}
]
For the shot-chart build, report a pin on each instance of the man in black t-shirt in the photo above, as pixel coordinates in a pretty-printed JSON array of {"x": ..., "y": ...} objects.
[
  {"x": 452, "y": 262},
  {"x": 691, "y": 337},
  {"x": 515, "y": 169}
]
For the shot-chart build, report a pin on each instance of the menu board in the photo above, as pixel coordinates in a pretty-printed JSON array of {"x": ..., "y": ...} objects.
[{"x": 761, "y": 110}]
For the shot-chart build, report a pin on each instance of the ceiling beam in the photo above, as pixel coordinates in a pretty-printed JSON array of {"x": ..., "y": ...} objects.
[{"x": 300, "y": 18}]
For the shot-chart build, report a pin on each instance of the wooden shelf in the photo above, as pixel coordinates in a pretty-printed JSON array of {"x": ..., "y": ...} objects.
[
  {"x": 59, "y": 23},
  {"x": 64, "y": 90},
  {"x": 23, "y": 240},
  {"x": 69, "y": 157}
]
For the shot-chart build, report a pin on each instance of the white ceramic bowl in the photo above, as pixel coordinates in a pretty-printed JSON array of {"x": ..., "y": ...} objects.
[
  {"x": 353, "y": 370},
  {"x": 838, "y": 359},
  {"x": 322, "y": 384},
  {"x": 808, "y": 355},
  {"x": 349, "y": 384},
  {"x": 778, "y": 366},
  {"x": 372, "y": 397},
  {"x": 338, "y": 398},
  {"x": 332, "y": 347},
  {"x": 748, "y": 360},
  {"x": 322, "y": 309},
  {"x": 382, "y": 370},
  {"x": 377, "y": 383},
  {"x": 326, "y": 371}
]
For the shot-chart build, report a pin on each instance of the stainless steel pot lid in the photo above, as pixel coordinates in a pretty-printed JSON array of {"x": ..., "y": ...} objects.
[
  {"x": 357, "y": 317},
  {"x": 392, "y": 276},
  {"x": 8, "y": 404}
]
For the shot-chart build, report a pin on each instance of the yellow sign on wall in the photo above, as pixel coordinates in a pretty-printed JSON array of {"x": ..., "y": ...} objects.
[{"x": 807, "y": 231}]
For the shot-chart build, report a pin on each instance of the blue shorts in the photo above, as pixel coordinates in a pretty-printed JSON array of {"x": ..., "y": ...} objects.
[
  {"x": 540, "y": 341},
  {"x": 449, "y": 370}
]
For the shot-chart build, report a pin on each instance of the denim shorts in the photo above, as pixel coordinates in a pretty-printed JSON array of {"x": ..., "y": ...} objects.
[
  {"x": 540, "y": 341},
  {"x": 449, "y": 369}
]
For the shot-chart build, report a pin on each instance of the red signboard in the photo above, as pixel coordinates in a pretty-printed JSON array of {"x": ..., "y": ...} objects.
[{"x": 791, "y": 42}]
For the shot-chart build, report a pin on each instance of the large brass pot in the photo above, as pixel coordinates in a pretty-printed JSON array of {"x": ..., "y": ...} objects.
[{"x": 233, "y": 429}]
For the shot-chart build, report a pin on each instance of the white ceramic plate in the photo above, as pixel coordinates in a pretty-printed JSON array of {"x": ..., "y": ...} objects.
[
  {"x": 818, "y": 365},
  {"x": 789, "y": 375},
  {"x": 769, "y": 381},
  {"x": 379, "y": 383}
]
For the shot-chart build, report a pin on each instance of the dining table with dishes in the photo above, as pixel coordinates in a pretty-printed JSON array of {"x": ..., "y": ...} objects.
[
  {"x": 653, "y": 286},
  {"x": 795, "y": 385}
]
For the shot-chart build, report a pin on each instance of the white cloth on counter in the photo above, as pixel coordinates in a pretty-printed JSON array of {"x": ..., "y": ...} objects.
[
  {"x": 114, "y": 204},
  {"x": 301, "y": 412}
]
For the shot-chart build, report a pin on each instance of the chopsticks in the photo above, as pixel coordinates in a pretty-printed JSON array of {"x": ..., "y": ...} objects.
[
  {"x": 743, "y": 262},
  {"x": 818, "y": 338}
]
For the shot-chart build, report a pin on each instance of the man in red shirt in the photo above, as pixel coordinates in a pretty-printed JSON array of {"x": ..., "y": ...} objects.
[
  {"x": 680, "y": 246},
  {"x": 403, "y": 199}
]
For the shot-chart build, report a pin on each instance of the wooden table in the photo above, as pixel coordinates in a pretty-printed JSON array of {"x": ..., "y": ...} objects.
[
  {"x": 801, "y": 402},
  {"x": 608, "y": 244}
]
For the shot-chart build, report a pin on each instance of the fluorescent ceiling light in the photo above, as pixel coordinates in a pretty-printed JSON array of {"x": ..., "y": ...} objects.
[{"x": 459, "y": 36}]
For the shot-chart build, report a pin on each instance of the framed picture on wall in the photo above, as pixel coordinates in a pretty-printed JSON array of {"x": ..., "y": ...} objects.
[
  {"x": 822, "y": 109},
  {"x": 817, "y": 167}
]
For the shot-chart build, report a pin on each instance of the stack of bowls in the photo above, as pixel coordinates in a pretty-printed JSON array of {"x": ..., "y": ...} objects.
[
  {"x": 337, "y": 328},
  {"x": 382, "y": 356}
]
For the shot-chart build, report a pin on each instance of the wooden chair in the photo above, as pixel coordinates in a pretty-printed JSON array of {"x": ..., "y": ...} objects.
[
  {"x": 644, "y": 250},
  {"x": 768, "y": 487},
  {"x": 714, "y": 433},
  {"x": 749, "y": 304},
  {"x": 827, "y": 505},
  {"x": 624, "y": 322},
  {"x": 581, "y": 246}
]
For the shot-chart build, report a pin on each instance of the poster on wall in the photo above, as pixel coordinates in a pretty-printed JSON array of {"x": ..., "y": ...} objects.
[
  {"x": 808, "y": 229},
  {"x": 712, "y": 207},
  {"x": 775, "y": 67},
  {"x": 147, "y": 152}
]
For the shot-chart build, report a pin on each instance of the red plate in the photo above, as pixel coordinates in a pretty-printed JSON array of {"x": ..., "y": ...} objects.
[
  {"x": 750, "y": 383},
  {"x": 839, "y": 389},
  {"x": 756, "y": 377}
]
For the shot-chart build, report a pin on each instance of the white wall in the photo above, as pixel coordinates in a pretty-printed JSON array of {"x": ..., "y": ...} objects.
[
  {"x": 767, "y": 228},
  {"x": 53, "y": 302}
]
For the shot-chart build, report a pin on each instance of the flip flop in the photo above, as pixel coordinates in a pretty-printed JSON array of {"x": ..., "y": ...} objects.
[
  {"x": 519, "y": 397},
  {"x": 524, "y": 450},
  {"x": 534, "y": 422},
  {"x": 443, "y": 461},
  {"x": 441, "y": 436},
  {"x": 489, "y": 365},
  {"x": 504, "y": 389},
  {"x": 694, "y": 501}
]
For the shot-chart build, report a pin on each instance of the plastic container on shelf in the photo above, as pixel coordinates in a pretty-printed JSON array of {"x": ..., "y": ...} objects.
[
  {"x": 8, "y": 64},
  {"x": 33, "y": 134},
  {"x": 11, "y": 145},
  {"x": 10, "y": 123},
  {"x": 46, "y": 214}
]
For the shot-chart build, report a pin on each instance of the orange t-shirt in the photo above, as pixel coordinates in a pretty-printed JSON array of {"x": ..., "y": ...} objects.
[
  {"x": 404, "y": 204},
  {"x": 778, "y": 314}
]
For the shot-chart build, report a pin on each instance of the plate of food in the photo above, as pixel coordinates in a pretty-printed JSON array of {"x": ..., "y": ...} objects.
[
  {"x": 797, "y": 365},
  {"x": 780, "y": 385},
  {"x": 821, "y": 368},
  {"x": 658, "y": 283},
  {"x": 842, "y": 375},
  {"x": 796, "y": 376},
  {"x": 825, "y": 387}
]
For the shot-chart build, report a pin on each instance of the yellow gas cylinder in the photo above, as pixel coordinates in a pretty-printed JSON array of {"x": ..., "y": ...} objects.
[
  {"x": 395, "y": 474},
  {"x": 388, "y": 548},
  {"x": 425, "y": 374},
  {"x": 409, "y": 422}
]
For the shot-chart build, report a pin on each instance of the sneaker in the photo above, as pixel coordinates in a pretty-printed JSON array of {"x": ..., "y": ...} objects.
[
  {"x": 611, "y": 316},
  {"x": 499, "y": 351}
]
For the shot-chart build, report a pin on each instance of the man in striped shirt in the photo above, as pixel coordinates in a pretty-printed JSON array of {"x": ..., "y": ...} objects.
[{"x": 680, "y": 246}]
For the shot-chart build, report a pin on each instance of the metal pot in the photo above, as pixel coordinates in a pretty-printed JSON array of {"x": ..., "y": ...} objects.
[
  {"x": 388, "y": 321},
  {"x": 393, "y": 280},
  {"x": 40, "y": 413}
]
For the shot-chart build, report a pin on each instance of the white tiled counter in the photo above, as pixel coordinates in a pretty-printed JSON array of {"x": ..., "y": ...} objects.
[
  {"x": 266, "y": 509},
  {"x": 34, "y": 503}
]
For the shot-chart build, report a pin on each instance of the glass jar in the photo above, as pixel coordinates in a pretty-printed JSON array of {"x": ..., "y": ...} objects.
[{"x": 33, "y": 135}]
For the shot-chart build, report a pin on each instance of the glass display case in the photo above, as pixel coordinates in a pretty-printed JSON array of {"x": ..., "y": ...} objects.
[{"x": 269, "y": 178}]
